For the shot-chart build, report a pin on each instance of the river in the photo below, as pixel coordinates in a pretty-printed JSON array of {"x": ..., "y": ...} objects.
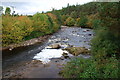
[{"x": 23, "y": 64}]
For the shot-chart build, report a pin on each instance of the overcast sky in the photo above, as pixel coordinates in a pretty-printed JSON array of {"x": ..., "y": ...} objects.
[{"x": 30, "y": 7}]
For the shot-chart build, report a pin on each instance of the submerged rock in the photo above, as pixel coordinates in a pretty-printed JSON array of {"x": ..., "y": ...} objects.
[
  {"x": 88, "y": 30},
  {"x": 65, "y": 55},
  {"x": 62, "y": 57},
  {"x": 89, "y": 34},
  {"x": 35, "y": 61},
  {"x": 78, "y": 50}
]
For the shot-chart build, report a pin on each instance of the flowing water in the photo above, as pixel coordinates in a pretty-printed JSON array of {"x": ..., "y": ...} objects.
[{"x": 51, "y": 58}]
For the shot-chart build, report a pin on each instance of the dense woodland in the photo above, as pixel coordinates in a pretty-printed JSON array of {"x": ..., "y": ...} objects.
[{"x": 103, "y": 18}]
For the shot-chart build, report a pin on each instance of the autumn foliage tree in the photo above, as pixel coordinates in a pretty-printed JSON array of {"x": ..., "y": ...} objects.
[
  {"x": 70, "y": 21},
  {"x": 15, "y": 29},
  {"x": 82, "y": 21},
  {"x": 54, "y": 21},
  {"x": 41, "y": 23}
]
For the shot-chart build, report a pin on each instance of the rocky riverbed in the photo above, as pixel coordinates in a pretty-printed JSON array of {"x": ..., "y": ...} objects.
[{"x": 46, "y": 60}]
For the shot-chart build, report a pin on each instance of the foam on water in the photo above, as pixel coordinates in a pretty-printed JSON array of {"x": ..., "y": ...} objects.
[{"x": 46, "y": 54}]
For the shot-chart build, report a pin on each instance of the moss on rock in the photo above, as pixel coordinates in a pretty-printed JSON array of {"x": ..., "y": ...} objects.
[{"x": 78, "y": 50}]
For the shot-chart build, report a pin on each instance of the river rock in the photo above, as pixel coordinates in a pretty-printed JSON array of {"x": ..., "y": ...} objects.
[
  {"x": 54, "y": 46},
  {"x": 62, "y": 57},
  {"x": 65, "y": 55},
  {"x": 35, "y": 61},
  {"x": 77, "y": 50},
  {"x": 88, "y": 30},
  {"x": 89, "y": 34}
]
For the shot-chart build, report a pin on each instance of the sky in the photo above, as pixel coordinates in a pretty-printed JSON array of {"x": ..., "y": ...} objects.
[{"x": 30, "y": 7}]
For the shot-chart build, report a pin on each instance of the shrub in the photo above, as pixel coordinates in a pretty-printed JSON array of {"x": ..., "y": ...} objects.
[
  {"x": 109, "y": 15},
  {"x": 25, "y": 24},
  {"x": 41, "y": 26},
  {"x": 15, "y": 29},
  {"x": 41, "y": 23},
  {"x": 82, "y": 21},
  {"x": 96, "y": 23},
  {"x": 54, "y": 21},
  {"x": 70, "y": 21},
  {"x": 91, "y": 20},
  {"x": 75, "y": 68},
  {"x": 103, "y": 45},
  {"x": 64, "y": 17},
  {"x": 89, "y": 68}
]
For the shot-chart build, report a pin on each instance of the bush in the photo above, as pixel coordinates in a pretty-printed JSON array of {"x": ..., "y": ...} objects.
[
  {"x": 103, "y": 45},
  {"x": 19, "y": 28},
  {"x": 41, "y": 26},
  {"x": 41, "y": 23},
  {"x": 91, "y": 20},
  {"x": 82, "y": 21},
  {"x": 54, "y": 21},
  {"x": 96, "y": 23},
  {"x": 15, "y": 29},
  {"x": 89, "y": 68},
  {"x": 64, "y": 17},
  {"x": 70, "y": 21}
]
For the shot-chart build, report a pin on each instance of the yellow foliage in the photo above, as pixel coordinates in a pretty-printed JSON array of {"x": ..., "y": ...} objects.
[
  {"x": 55, "y": 22},
  {"x": 91, "y": 18},
  {"x": 70, "y": 21},
  {"x": 41, "y": 23},
  {"x": 15, "y": 29}
]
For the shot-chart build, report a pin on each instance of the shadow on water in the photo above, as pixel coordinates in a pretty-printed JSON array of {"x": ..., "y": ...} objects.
[{"x": 19, "y": 54}]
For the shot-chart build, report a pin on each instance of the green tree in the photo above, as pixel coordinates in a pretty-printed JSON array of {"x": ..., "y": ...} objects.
[
  {"x": 54, "y": 19},
  {"x": 1, "y": 10},
  {"x": 15, "y": 29},
  {"x": 63, "y": 18},
  {"x": 73, "y": 15},
  {"x": 8, "y": 11},
  {"x": 70, "y": 21},
  {"x": 82, "y": 21},
  {"x": 41, "y": 24}
]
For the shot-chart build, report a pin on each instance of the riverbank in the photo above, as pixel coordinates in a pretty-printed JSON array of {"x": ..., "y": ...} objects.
[{"x": 27, "y": 43}]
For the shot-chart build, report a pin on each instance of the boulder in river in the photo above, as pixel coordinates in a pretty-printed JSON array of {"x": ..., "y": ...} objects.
[
  {"x": 88, "y": 30},
  {"x": 78, "y": 50},
  {"x": 62, "y": 57},
  {"x": 90, "y": 34},
  {"x": 54, "y": 46},
  {"x": 65, "y": 55}
]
